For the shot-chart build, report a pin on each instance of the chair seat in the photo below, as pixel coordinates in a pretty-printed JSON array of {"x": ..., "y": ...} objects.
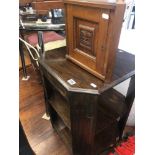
[
  {"x": 54, "y": 44},
  {"x": 47, "y": 37},
  {"x": 51, "y": 40}
]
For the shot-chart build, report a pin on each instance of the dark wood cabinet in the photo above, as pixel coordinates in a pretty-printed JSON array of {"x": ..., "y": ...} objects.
[
  {"x": 88, "y": 114},
  {"x": 46, "y": 5},
  {"x": 42, "y": 7},
  {"x": 93, "y": 30}
]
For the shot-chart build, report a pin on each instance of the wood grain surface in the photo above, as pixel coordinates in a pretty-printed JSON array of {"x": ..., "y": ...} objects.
[{"x": 40, "y": 133}]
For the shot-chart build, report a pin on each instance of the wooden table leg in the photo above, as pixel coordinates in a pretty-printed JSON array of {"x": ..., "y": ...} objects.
[{"x": 129, "y": 102}]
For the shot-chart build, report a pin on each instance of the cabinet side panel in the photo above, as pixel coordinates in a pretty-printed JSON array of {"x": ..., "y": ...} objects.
[
  {"x": 68, "y": 11},
  {"x": 114, "y": 30}
]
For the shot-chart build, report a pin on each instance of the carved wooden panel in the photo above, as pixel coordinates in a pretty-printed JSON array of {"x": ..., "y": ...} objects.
[
  {"x": 85, "y": 35},
  {"x": 93, "y": 30}
]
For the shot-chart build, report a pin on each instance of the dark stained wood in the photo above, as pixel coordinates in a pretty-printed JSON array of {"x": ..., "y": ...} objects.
[
  {"x": 124, "y": 68},
  {"x": 93, "y": 30},
  {"x": 128, "y": 101},
  {"x": 83, "y": 110},
  {"x": 42, "y": 137},
  {"x": 60, "y": 128},
  {"x": 97, "y": 114},
  {"x": 61, "y": 107},
  {"x": 47, "y": 5},
  {"x": 111, "y": 103},
  {"x": 106, "y": 139}
]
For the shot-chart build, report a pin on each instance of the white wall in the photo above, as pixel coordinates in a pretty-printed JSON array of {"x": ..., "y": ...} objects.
[
  {"x": 127, "y": 43},
  {"x": 122, "y": 88}
]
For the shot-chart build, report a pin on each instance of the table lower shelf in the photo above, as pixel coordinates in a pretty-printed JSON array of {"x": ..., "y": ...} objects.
[
  {"x": 101, "y": 139},
  {"x": 61, "y": 107},
  {"x": 106, "y": 133},
  {"x": 62, "y": 130}
]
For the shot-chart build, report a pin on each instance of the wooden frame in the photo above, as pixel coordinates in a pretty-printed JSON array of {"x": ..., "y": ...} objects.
[
  {"x": 93, "y": 30},
  {"x": 88, "y": 119}
]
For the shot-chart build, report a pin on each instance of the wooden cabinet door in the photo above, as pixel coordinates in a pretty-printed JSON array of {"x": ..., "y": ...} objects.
[{"x": 87, "y": 32}]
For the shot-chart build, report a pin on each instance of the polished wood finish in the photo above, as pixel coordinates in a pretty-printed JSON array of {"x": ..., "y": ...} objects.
[
  {"x": 124, "y": 69},
  {"x": 43, "y": 5},
  {"x": 93, "y": 30},
  {"x": 89, "y": 115},
  {"x": 42, "y": 138},
  {"x": 62, "y": 108},
  {"x": 129, "y": 101}
]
